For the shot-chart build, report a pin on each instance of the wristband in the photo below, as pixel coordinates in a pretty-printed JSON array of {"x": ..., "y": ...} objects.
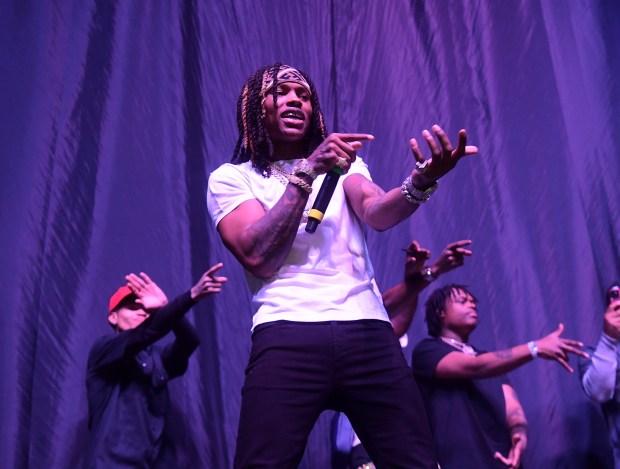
[
  {"x": 299, "y": 182},
  {"x": 533, "y": 346},
  {"x": 427, "y": 274},
  {"x": 415, "y": 195},
  {"x": 302, "y": 167}
]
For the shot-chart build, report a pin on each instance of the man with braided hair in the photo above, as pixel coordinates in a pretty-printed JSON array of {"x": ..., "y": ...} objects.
[
  {"x": 322, "y": 338},
  {"x": 473, "y": 410}
]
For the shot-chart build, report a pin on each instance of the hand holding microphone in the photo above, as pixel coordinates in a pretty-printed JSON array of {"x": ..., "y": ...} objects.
[{"x": 334, "y": 157}]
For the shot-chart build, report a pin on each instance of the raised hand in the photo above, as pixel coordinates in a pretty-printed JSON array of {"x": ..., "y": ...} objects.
[
  {"x": 150, "y": 296},
  {"x": 554, "y": 347},
  {"x": 208, "y": 283},
  {"x": 337, "y": 150},
  {"x": 452, "y": 256},
  {"x": 416, "y": 257},
  {"x": 443, "y": 156}
]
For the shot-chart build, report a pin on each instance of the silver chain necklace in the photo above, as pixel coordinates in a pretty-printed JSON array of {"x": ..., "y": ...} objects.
[
  {"x": 283, "y": 176},
  {"x": 279, "y": 173},
  {"x": 465, "y": 348}
]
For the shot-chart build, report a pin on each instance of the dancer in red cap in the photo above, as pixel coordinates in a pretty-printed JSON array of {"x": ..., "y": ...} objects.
[{"x": 128, "y": 373}]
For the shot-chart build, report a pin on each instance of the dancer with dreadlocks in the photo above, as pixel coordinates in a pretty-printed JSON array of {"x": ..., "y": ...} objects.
[
  {"x": 321, "y": 338},
  {"x": 473, "y": 410}
]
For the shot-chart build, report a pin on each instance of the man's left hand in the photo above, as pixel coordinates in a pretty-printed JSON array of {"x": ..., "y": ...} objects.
[
  {"x": 443, "y": 156},
  {"x": 513, "y": 461},
  {"x": 452, "y": 256}
]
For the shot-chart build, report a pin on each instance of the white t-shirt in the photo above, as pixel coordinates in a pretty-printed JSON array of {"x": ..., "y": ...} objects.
[{"x": 327, "y": 275}]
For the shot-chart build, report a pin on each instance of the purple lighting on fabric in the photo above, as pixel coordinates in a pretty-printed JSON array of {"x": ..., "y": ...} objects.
[{"x": 114, "y": 114}]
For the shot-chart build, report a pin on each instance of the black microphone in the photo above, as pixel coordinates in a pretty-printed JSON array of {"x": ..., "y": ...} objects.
[{"x": 315, "y": 216}]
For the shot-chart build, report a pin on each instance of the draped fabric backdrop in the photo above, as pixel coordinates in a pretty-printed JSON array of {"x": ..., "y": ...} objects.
[{"x": 113, "y": 114}]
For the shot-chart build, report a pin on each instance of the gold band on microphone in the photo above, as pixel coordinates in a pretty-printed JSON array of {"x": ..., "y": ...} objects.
[{"x": 316, "y": 214}]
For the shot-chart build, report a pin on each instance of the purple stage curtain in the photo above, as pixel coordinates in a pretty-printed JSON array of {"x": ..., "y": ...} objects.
[{"x": 113, "y": 114}]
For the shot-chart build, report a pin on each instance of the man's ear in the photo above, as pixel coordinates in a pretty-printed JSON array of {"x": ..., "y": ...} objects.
[{"x": 113, "y": 318}]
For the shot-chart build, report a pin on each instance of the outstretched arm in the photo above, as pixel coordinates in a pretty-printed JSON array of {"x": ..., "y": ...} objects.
[
  {"x": 124, "y": 345},
  {"x": 176, "y": 355},
  {"x": 401, "y": 300},
  {"x": 261, "y": 239},
  {"x": 159, "y": 323},
  {"x": 599, "y": 378},
  {"x": 457, "y": 365},
  {"x": 517, "y": 425},
  {"x": 382, "y": 210}
]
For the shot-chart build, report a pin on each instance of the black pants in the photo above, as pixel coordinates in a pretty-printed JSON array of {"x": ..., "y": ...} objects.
[{"x": 297, "y": 370}]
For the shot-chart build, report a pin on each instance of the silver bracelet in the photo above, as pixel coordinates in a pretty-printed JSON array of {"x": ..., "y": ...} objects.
[
  {"x": 415, "y": 195},
  {"x": 302, "y": 167},
  {"x": 533, "y": 346},
  {"x": 299, "y": 182}
]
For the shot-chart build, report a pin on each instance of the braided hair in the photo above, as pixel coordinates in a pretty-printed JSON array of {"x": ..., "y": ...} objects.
[
  {"x": 436, "y": 303},
  {"x": 254, "y": 143}
]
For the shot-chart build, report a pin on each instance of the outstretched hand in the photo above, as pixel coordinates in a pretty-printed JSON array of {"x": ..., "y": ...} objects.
[
  {"x": 554, "y": 347},
  {"x": 416, "y": 257},
  {"x": 208, "y": 283},
  {"x": 443, "y": 156},
  {"x": 452, "y": 256},
  {"x": 150, "y": 296},
  {"x": 519, "y": 442}
]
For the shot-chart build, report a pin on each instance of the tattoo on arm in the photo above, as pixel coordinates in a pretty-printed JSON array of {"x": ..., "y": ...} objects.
[
  {"x": 378, "y": 209},
  {"x": 372, "y": 196},
  {"x": 503, "y": 353},
  {"x": 515, "y": 417},
  {"x": 275, "y": 232}
]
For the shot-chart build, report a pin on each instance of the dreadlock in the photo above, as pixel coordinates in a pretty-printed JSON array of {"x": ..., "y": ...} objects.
[
  {"x": 436, "y": 303},
  {"x": 254, "y": 143}
]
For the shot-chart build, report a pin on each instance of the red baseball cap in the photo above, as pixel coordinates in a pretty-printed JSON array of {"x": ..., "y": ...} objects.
[{"x": 120, "y": 294}]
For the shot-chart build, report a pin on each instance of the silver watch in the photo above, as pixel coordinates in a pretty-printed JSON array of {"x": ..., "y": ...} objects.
[
  {"x": 422, "y": 194},
  {"x": 415, "y": 195},
  {"x": 427, "y": 274}
]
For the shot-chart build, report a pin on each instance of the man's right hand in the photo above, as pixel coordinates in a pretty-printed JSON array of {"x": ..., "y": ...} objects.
[
  {"x": 416, "y": 257},
  {"x": 148, "y": 293},
  {"x": 611, "y": 320},
  {"x": 337, "y": 150},
  {"x": 208, "y": 283}
]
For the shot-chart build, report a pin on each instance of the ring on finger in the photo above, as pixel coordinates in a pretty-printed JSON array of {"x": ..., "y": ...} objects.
[{"x": 341, "y": 163}]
